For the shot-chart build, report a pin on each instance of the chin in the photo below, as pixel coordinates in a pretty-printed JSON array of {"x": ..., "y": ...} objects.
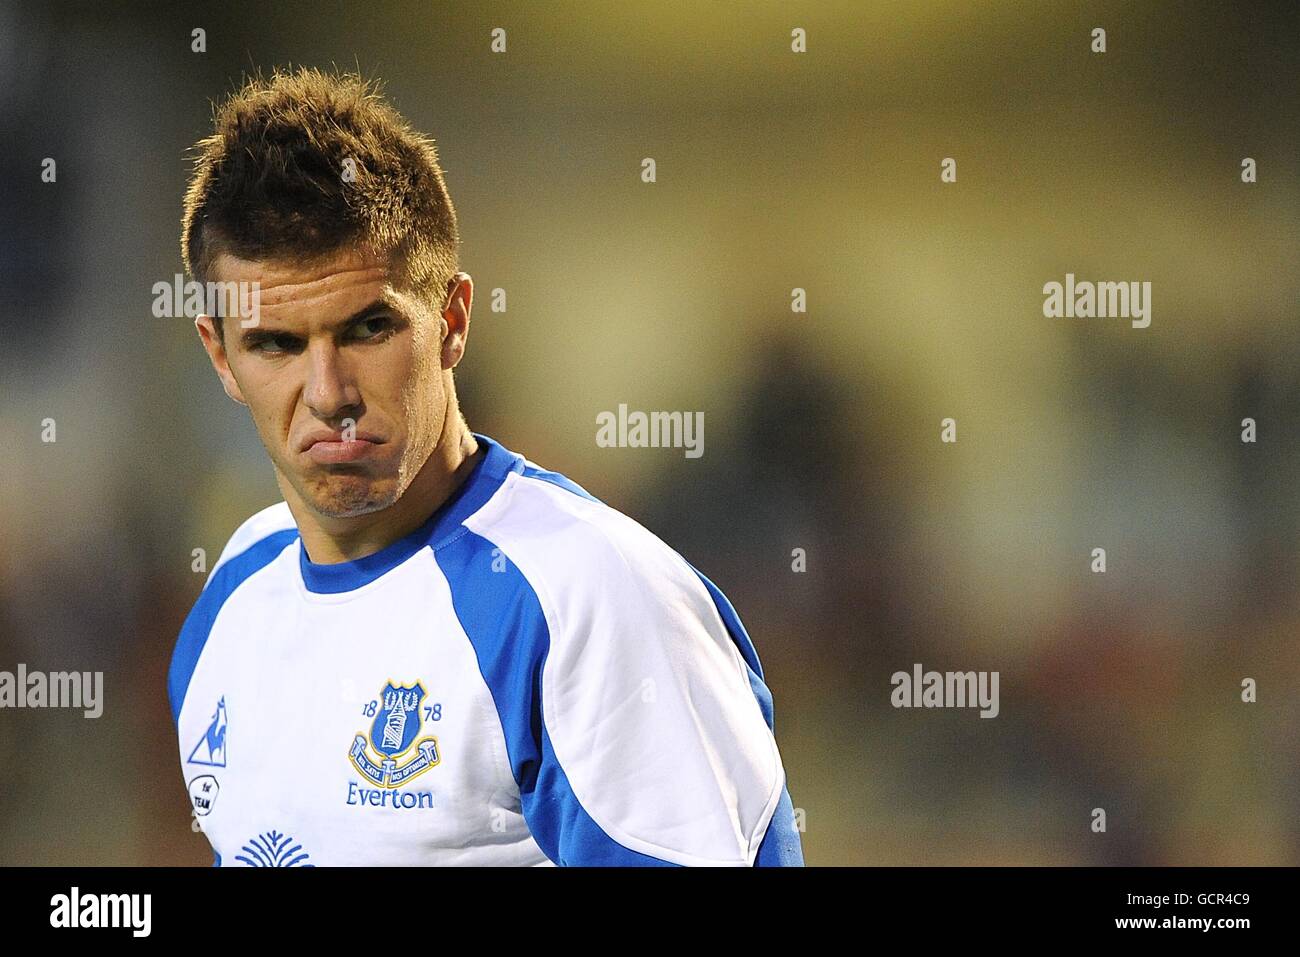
[{"x": 350, "y": 499}]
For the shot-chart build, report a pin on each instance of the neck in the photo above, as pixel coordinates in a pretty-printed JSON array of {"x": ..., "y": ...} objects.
[{"x": 329, "y": 540}]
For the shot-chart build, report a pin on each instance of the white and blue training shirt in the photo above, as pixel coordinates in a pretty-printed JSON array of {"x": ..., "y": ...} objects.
[{"x": 529, "y": 678}]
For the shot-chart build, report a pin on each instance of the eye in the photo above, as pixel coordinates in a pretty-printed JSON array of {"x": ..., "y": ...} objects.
[
  {"x": 371, "y": 328},
  {"x": 276, "y": 345}
]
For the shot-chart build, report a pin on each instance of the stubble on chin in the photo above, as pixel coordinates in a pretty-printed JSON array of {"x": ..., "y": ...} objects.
[{"x": 347, "y": 498}]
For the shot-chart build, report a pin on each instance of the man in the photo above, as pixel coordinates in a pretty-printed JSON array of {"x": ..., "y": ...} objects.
[{"x": 432, "y": 651}]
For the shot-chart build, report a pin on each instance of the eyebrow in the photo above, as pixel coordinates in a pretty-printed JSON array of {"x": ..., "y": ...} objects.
[{"x": 251, "y": 337}]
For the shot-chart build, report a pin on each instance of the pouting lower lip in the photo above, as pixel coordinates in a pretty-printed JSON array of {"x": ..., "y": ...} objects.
[
  {"x": 337, "y": 437},
  {"x": 343, "y": 451}
]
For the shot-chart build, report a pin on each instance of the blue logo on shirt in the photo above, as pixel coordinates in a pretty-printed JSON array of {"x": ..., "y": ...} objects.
[
  {"x": 392, "y": 734},
  {"x": 272, "y": 849},
  {"x": 211, "y": 749}
]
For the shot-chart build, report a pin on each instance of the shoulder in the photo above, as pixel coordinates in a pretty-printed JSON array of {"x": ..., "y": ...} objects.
[
  {"x": 254, "y": 544},
  {"x": 589, "y": 562},
  {"x": 582, "y": 564},
  {"x": 568, "y": 536},
  {"x": 271, "y": 526}
]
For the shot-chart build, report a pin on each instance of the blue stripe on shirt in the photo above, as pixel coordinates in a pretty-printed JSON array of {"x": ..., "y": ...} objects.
[
  {"x": 500, "y": 613},
  {"x": 198, "y": 624}
]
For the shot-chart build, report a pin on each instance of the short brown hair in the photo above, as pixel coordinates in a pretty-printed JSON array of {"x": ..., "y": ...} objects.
[{"x": 269, "y": 183}]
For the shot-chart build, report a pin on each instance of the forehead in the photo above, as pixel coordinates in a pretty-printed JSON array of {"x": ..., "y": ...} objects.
[{"x": 345, "y": 281}]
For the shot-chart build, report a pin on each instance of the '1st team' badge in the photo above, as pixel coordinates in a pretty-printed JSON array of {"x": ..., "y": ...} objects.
[{"x": 393, "y": 734}]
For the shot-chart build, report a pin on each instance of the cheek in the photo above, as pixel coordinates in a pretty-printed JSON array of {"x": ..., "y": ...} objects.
[
  {"x": 268, "y": 400},
  {"x": 420, "y": 376},
  {"x": 411, "y": 391}
]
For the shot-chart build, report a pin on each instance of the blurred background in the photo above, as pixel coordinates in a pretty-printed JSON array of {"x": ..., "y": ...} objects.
[{"x": 775, "y": 171}]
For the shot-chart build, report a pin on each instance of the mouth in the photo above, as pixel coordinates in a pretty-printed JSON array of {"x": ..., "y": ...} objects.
[{"x": 332, "y": 449}]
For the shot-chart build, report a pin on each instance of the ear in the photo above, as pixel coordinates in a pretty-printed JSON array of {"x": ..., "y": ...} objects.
[
  {"x": 456, "y": 315},
  {"x": 216, "y": 349}
]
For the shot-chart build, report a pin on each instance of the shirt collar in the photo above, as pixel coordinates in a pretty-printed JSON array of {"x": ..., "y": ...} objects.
[{"x": 485, "y": 478}]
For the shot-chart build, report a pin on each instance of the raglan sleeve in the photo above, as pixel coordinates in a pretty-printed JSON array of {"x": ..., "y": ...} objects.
[{"x": 656, "y": 738}]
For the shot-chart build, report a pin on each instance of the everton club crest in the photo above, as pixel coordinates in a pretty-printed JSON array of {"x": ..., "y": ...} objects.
[{"x": 393, "y": 736}]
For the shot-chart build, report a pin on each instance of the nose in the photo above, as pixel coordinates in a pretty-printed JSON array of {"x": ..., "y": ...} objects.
[{"x": 329, "y": 391}]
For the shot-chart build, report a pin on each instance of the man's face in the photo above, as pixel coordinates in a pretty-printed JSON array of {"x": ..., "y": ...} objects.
[{"x": 346, "y": 378}]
